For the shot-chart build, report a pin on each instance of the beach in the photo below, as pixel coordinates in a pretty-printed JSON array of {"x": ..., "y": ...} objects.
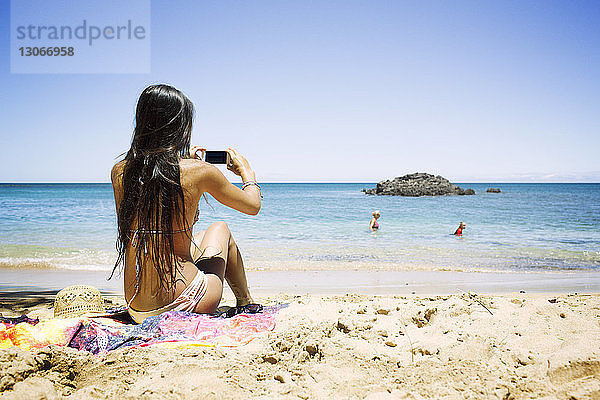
[
  {"x": 354, "y": 346},
  {"x": 509, "y": 311},
  {"x": 464, "y": 335},
  {"x": 403, "y": 196}
]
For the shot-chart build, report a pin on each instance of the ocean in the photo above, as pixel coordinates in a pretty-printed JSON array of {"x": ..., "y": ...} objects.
[{"x": 324, "y": 226}]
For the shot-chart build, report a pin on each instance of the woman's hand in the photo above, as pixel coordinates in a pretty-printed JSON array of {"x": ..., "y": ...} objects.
[
  {"x": 240, "y": 166},
  {"x": 210, "y": 179},
  {"x": 195, "y": 149}
]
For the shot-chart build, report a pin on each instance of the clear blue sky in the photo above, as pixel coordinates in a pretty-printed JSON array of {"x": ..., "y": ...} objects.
[{"x": 336, "y": 91}]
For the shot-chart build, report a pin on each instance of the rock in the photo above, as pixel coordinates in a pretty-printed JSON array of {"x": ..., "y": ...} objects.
[
  {"x": 523, "y": 358},
  {"x": 383, "y": 311},
  {"x": 502, "y": 393},
  {"x": 425, "y": 349},
  {"x": 491, "y": 190},
  {"x": 270, "y": 359},
  {"x": 312, "y": 348},
  {"x": 429, "y": 312},
  {"x": 423, "y": 318},
  {"x": 343, "y": 326},
  {"x": 418, "y": 184}
]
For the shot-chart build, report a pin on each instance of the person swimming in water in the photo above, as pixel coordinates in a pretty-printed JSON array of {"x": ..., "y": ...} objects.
[
  {"x": 374, "y": 225},
  {"x": 459, "y": 231}
]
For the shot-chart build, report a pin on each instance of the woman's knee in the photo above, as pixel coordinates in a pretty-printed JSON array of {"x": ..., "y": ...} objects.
[
  {"x": 216, "y": 240},
  {"x": 198, "y": 236},
  {"x": 219, "y": 238},
  {"x": 221, "y": 226}
]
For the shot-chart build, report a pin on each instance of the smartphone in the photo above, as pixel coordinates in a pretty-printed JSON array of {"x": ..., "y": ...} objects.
[{"x": 216, "y": 157}]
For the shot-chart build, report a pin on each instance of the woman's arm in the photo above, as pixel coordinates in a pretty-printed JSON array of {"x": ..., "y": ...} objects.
[
  {"x": 371, "y": 224},
  {"x": 214, "y": 182}
]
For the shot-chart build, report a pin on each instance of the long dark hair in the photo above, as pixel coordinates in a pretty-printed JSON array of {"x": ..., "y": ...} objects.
[{"x": 153, "y": 198}]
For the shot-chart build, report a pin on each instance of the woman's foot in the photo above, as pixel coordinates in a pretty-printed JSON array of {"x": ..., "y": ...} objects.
[{"x": 244, "y": 301}]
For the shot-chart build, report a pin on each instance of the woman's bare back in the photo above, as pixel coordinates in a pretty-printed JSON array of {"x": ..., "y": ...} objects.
[{"x": 150, "y": 296}]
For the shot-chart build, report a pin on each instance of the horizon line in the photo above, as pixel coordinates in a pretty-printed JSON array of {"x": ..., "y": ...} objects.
[{"x": 282, "y": 182}]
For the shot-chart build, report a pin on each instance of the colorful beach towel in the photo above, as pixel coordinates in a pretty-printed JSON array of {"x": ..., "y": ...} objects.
[
  {"x": 26, "y": 335},
  {"x": 170, "y": 329}
]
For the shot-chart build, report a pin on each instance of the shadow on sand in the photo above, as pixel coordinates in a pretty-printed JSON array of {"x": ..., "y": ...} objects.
[{"x": 26, "y": 299}]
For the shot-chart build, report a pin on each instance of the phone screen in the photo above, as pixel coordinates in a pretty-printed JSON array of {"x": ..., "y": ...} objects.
[{"x": 216, "y": 157}]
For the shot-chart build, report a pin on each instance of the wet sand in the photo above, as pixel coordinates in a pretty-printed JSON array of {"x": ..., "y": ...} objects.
[{"x": 341, "y": 282}]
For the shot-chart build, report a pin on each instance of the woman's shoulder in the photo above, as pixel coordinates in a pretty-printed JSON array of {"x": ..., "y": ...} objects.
[
  {"x": 193, "y": 167},
  {"x": 117, "y": 171},
  {"x": 194, "y": 171}
]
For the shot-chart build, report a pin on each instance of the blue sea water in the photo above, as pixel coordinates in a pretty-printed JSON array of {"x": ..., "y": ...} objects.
[{"x": 325, "y": 226}]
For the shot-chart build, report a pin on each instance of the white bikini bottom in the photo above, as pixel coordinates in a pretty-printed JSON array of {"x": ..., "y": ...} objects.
[{"x": 186, "y": 301}]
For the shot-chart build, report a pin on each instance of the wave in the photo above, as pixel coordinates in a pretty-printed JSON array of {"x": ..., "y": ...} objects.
[
  {"x": 33, "y": 264},
  {"x": 378, "y": 255},
  {"x": 45, "y": 257}
]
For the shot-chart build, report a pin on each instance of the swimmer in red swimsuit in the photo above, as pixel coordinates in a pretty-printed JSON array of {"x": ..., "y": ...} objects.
[{"x": 459, "y": 231}]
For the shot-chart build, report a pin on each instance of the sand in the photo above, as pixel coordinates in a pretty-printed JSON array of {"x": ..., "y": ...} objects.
[{"x": 348, "y": 346}]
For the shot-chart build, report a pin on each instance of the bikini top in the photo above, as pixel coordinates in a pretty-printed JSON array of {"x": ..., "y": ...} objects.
[{"x": 136, "y": 231}]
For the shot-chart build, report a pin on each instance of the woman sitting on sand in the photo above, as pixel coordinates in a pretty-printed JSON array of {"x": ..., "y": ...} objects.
[
  {"x": 157, "y": 188},
  {"x": 374, "y": 225}
]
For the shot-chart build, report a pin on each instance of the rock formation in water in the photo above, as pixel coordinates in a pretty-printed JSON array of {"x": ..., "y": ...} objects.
[
  {"x": 418, "y": 184},
  {"x": 493, "y": 190}
]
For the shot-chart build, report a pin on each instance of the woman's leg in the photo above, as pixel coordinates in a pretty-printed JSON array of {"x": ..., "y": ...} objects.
[
  {"x": 218, "y": 256},
  {"x": 235, "y": 274}
]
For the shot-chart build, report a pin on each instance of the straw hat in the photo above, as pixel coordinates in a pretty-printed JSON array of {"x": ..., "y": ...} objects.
[{"x": 78, "y": 300}]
